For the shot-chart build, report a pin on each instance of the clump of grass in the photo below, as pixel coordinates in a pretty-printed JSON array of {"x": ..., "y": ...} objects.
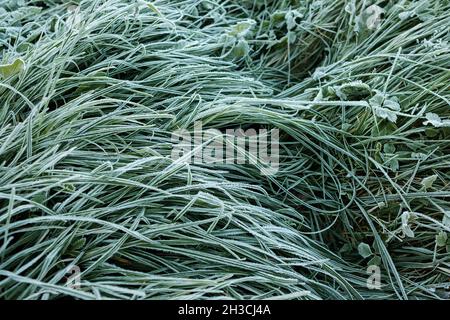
[{"x": 86, "y": 177}]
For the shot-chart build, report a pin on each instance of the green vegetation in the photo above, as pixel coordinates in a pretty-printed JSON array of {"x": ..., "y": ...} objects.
[{"x": 91, "y": 91}]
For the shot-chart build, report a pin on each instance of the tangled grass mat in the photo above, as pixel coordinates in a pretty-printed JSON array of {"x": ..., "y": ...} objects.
[{"x": 93, "y": 205}]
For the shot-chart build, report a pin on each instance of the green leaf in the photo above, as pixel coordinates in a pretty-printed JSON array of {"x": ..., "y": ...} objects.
[
  {"x": 427, "y": 182},
  {"x": 78, "y": 244},
  {"x": 384, "y": 107},
  {"x": 241, "y": 29},
  {"x": 376, "y": 260},
  {"x": 406, "y": 218},
  {"x": 436, "y": 121},
  {"x": 278, "y": 18},
  {"x": 354, "y": 90},
  {"x": 39, "y": 198},
  {"x": 385, "y": 114},
  {"x": 446, "y": 219},
  {"x": 364, "y": 250},
  {"x": 241, "y": 49},
  {"x": 392, "y": 104},
  {"x": 389, "y": 148},
  {"x": 408, "y": 232},
  {"x": 292, "y": 17},
  {"x": 441, "y": 239},
  {"x": 393, "y": 164},
  {"x": 8, "y": 70}
]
